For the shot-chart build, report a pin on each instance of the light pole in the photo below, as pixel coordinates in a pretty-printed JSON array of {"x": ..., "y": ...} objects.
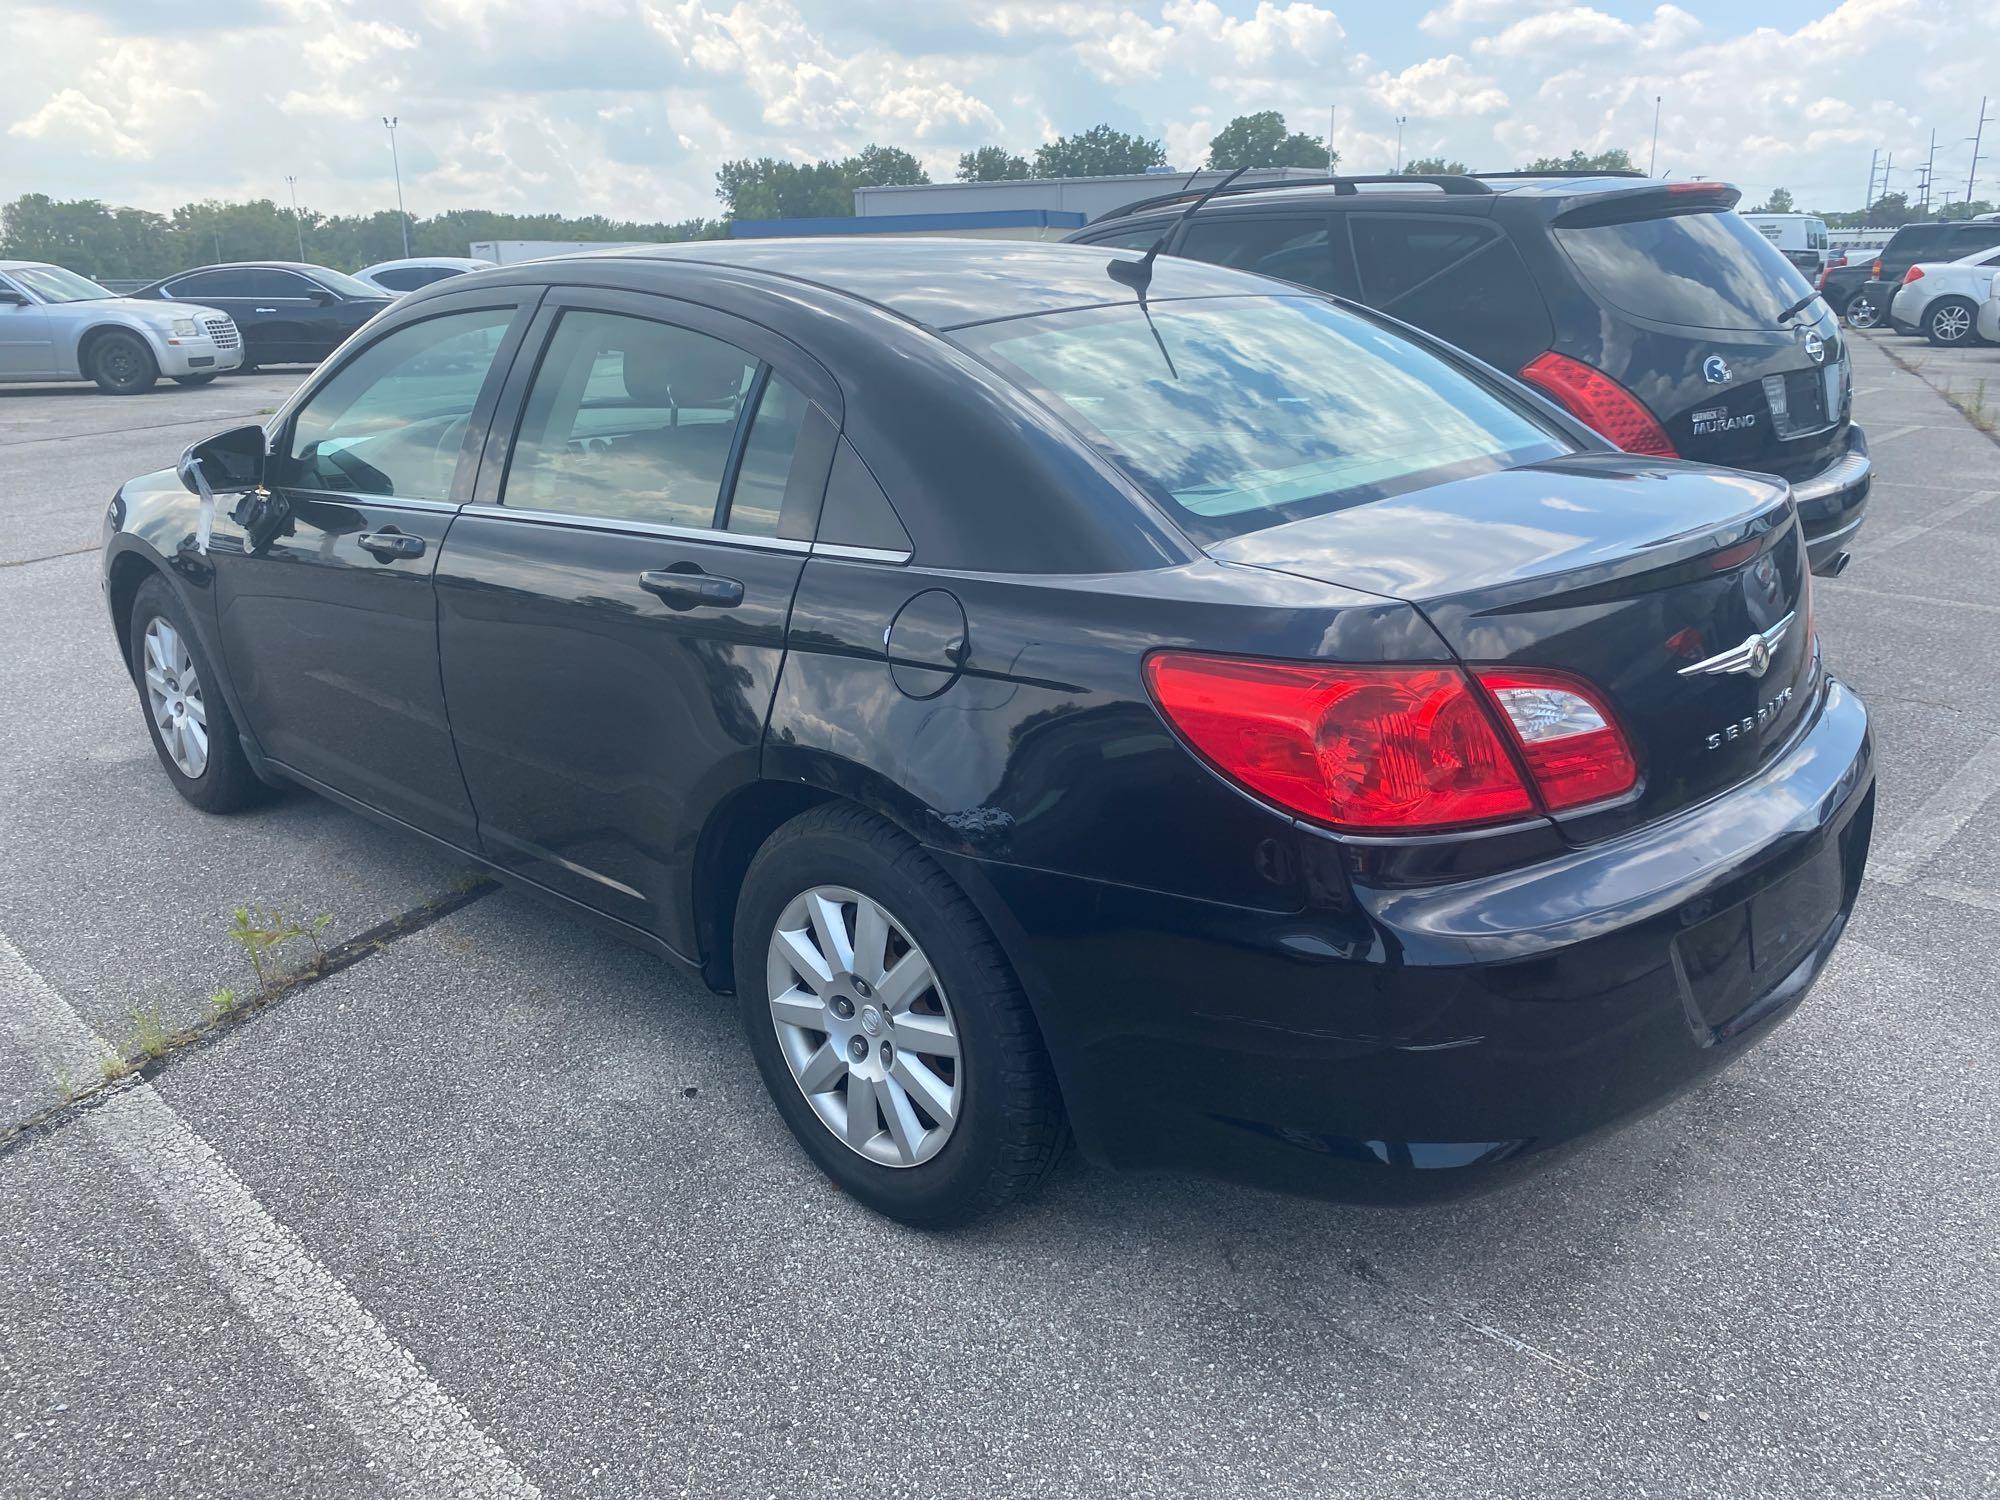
[
  {"x": 389, "y": 124},
  {"x": 1401, "y": 121},
  {"x": 1653, "y": 155},
  {"x": 298, "y": 223}
]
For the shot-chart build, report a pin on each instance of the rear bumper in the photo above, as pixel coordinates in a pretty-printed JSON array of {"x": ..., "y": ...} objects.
[
  {"x": 1833, "y": 503},
  {"x": 1396, "y": 1044}
]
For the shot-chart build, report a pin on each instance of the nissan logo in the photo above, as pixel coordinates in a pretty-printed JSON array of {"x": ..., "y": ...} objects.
[{"x": 1816, "y": 348}]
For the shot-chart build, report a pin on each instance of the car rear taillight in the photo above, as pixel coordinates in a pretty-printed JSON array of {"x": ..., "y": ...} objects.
[
  {"x": 1915, "y": 273},
  {"x": 1372, "y": 749},
  {"x": 1875, "y": 270},
  {"x": 1595, "y": 398},
  {"x": 1573, "y": 747}
]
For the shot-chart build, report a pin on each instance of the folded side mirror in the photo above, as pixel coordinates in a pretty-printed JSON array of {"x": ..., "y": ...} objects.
[{"x": 227, "y": 463}]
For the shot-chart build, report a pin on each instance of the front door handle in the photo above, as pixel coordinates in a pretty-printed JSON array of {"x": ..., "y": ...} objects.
[
  {"x": 687, "y": 587},
  {"x": 392, "y": 544}
]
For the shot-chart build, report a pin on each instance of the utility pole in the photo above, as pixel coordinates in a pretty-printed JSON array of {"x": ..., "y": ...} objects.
[
  {"x": 389, "y": 123},
  {"x": 1977, "y": 135},
  {"x": 1401, "y": 121},
  {"x": 1329, "y": 139},
  {"x": 1930, "y": 172},
  {"x": 1868, "y": 198},
  {"x": 298, "y": 223},
  {"x": 1653, "y": 156}
]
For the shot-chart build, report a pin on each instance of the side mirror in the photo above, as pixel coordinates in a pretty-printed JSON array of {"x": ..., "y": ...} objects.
[
  {"x": 323, "y": 298},
  {"x": 10, "y": 297},
  {"x": 227, "y": 463}
]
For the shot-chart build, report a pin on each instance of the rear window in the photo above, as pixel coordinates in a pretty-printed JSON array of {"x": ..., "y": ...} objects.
[
  {"x": 1699, "y": 270},
  {"x": 1239, "y": 413}
]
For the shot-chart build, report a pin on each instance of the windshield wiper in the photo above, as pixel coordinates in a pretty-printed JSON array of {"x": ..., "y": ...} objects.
[{"x": 1798, "y": 306}]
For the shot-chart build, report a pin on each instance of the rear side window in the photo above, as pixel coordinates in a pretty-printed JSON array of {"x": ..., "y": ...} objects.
[
  {"x": 408, "y": 279},
  {"x": 1142, "y": 238},
  {"x": 1698, "y": 270},
  {"x": 1290, "y": 249},
  {"x": 1236, "y": 413},
  {"x": 1971, "y": 237},
  {"x": 1396, "y": 254},
  {"x": 1487, "y": 304},
  {"x": 758, "y": 499},
  {"x": 391, "y": 421}
]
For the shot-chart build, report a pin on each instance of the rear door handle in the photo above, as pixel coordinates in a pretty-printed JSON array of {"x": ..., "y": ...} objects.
[
  {"x": 392, "y": 544},
  {"x": 690, "y": 588}
]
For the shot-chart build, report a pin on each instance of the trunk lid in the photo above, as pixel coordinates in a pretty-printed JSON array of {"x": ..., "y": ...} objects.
[{"x": 1626, "y": 571}]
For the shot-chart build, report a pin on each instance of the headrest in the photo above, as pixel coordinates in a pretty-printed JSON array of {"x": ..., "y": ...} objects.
[{"x": 688, "y": 371}]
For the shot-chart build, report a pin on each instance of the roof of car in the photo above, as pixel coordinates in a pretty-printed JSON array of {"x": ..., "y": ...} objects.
[
  {"x": 1456, "y": 190},
  {"x": 250, "y": 265},
  {"x": 947, "y": 283}
]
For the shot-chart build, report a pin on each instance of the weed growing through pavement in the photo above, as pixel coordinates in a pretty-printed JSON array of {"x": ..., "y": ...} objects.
[{"x": 260, "y": 931}]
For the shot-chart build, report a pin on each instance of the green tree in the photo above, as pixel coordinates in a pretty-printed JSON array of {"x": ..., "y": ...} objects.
[
  {"x": 1261, "y": 140},
  {"x": 1780, "y": 202},
  {"x": 770, "y": 189},
  {"x": 884, "y": 166},
  {"x": 1098, "y": 152},
  {"x": 1617, "y": 159},
  {"x": 1962, "y": 210},
  {"x": 992, "y": 164},
  {"x": 1889, "y": 210},
  {"x": 1433, "y": 166}
]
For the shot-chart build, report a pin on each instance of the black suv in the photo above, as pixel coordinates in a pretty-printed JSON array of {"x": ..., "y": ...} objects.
[
  {"x": 289, "y": 313},
  {"x": 1910, "y": 244},
  {"x": 1648, "y": 309}
]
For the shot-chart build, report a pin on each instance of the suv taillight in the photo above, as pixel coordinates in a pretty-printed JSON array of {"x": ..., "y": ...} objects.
[
  {"x": 1915, "y": 273},
  {"x": 1393, "y": 749},
  {"x": 1875, "y": 271},
  {"x": 1596, "y": 399}
]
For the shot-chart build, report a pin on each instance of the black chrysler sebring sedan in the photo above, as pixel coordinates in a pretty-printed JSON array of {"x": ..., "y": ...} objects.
[{"x": 1054, "y": 692}]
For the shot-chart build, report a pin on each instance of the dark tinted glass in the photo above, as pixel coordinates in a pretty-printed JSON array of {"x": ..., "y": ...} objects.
[
  {"x": 267, "y": 283},
  {"x": 408, "y": 279},
  {"x": 1289, "y": 249},
  {"x": 1132, "y": 239},
  {"x": 210, "y": 284},
  {"x": 1488, "y": 305},
  {"x": 1395, "y": 254},
  {"x": 392, "y": 420},
  {"x": 629, "y": 420},
  {"x": 1699, "y": 270},
  {"x": 759, "y": 496},
  {"x": 1970, "y": 237},
  {"x": 1242, "y": 412}
]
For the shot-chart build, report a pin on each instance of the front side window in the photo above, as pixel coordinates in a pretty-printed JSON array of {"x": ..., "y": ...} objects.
[
  {"x": 1237, "y": 413},
  {"x": 1289, "y": 249},
  {"x": 392, "y": 420},
  {"x": 629, "y": 420},
  {"x": 265, "y": 282},
  {"x": 209, "y": 284},
  {"x": 1143, "y": 238},
  {"x": 54, "y": 284}
]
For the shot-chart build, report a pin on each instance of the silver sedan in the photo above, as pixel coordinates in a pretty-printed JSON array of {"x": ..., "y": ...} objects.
[{"x": 57, "y": 325}]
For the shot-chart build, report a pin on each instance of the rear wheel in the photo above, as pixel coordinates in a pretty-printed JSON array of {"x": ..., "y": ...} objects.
[
  {"x": 1950, "y": 321},
  {"x": 192, "y": 731},
  {"x": 121, "y": 364},
  {"x": 201, "y": 379},
  {"x": 1862, "y": 311},
  {"x": 888, "y": 1025}
]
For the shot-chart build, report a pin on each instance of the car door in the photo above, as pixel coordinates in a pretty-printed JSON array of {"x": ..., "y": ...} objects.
[
  {"x": 27, "y": 335},
  {"x": 329, "y": 626},
  {"x": 612, "y": 607},
  {"x": 298, "y": 320}
]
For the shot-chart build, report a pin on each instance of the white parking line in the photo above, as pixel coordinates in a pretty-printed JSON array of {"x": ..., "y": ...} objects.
[
  {"x": 425, "y": 1442},
  {"x": 1896, "y": 432},
  {"x": 1934, "y": 824},
  {"x": 1869, "y": 544}
]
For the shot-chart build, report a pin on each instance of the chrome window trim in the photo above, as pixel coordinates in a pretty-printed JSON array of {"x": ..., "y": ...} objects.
[
  {"x": 374, "y": 502},
  {"x": 860, "y": 554},
  {"x": 640, "y": 528}
]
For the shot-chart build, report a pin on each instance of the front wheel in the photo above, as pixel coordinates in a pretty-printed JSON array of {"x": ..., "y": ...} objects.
[
  {"x": 888, "y": 1025},
  {"x": 192, "y": 730},
  {"x": 201, "y": 379},
  {"x": 1950, "y": 322},
  {"x": 1862, "y": 311},
  {"x": 121, "y": 364}
]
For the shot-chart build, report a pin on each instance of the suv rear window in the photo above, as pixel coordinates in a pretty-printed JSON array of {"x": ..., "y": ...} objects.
[
  {"x": 1237, "y": 413},
  {"x": 1698, "y": 270}
]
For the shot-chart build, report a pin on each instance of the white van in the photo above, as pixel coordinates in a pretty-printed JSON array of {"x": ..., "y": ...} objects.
[{"x": 1800, "y": 238}]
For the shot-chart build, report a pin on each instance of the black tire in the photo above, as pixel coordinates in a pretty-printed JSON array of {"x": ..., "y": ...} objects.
[
  {"x": 1951, "y": 322},
  {"x": 1862, "y": 312},
  {"x": 121, "y": 364},
  {"x": 1009, "y": 1131},
  {"x": 200, "y": 379},
  {"x": 225, "y": 784}
]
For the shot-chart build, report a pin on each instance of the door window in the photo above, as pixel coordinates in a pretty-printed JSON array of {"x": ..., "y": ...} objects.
[
  {"x": 209, "y": 284},
  {"x": 270, "y": 283},
  {"x": 630, "y": 420},
  {"x": 1143, "y": 238},
  {"x": 1395, "y": 254},
  {"x": 759, "y": 496},
  {"x": 392, "y": 420},
  {"x": 1289, "y": 249}
]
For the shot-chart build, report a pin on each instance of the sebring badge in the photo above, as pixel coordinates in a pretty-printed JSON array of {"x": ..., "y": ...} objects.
[
  {"x": 1752, "y": 657},
  {"x": 1715, "y": 370}
]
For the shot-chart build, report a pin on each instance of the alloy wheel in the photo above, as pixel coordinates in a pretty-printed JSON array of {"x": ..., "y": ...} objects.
[
  {"x": 173, "y": 694},
  {"x": 1950, "y": 325},
  {"x": 1861, "y": 313},
  {"x": 864, "y": 1026}
]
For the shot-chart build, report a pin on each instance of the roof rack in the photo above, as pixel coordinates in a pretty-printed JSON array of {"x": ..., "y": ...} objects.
[
  {"x": 1568, "y": 172},
  {"x": 1451, "y": 183}
]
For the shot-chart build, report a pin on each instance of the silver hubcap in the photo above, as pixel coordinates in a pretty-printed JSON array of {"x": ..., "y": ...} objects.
[
  {"x": 1952, "y": 323},
  {"x": 864, "y": 1026},
  {"x": 1861, "y": 313},
  {"x": 173, "y": 693}
]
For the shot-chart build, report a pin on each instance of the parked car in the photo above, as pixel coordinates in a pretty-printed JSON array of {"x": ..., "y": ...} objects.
[
  {"x": 1801, "y": 238},
  {"x": 1837, "y": 287},
  {"x": 1989, "y": 315},
  {"x": 1648, "y": 309},
  {"x": 1940, "y": 300},
  {"x": 1048, "y": 688},
  {"x": 1869, "y": 304},
  {"x": 57, "y": 325},
  {"x": 289, "y": 313},
  {"x": 392, "y": 278}
]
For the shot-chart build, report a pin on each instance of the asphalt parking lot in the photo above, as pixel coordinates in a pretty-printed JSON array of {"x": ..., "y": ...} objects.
[{"x": 500, "y": 1208}]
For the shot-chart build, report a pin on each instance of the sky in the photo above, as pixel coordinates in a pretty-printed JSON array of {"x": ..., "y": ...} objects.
[{"x": 626, "y": 107}]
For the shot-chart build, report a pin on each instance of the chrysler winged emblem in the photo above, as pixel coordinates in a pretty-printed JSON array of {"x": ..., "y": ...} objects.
[{"x": 1752, "y": 657}]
